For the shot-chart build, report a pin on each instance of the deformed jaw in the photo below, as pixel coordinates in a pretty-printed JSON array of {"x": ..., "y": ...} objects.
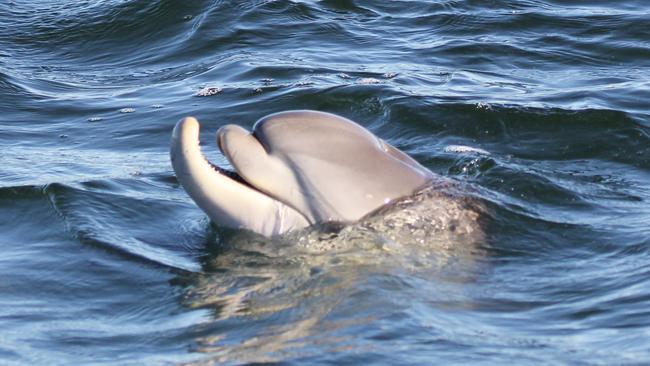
[{"x": 227, "y": 200}]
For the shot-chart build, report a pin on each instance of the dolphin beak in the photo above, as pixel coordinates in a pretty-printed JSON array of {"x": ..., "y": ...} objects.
[{"x": 227, "y": 199}]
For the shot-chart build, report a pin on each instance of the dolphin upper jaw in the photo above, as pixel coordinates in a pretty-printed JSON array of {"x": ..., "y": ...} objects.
[
  {"x": 325, "y": 166},
  {"x": 226, "y": 197}
]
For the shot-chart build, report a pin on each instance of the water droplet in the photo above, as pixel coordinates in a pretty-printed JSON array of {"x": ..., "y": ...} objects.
[
  {"x": 208, "y": 91},
  {"x": 464, "y": 149},
  {"x": 368, "y": 81},
  {"x": 483, "y": 105}
]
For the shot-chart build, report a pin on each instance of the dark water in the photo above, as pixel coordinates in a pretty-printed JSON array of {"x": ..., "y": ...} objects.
[{"x": 105, "y": 260}]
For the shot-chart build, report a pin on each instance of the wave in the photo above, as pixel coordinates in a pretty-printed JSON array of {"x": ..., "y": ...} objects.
[
  {"x": 107, "y": 215},
  {"x": 572, "y": 57}
]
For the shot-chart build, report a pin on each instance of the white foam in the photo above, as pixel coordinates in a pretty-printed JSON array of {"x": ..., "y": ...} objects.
[
  {"x": 462, "y": 149},
  {"x": 208, "y": 91}
]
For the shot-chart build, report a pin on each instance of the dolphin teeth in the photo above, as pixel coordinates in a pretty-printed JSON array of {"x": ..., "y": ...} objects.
[
  {"x": 225, "y": 172},
  {"x": 230, "y": 174}
]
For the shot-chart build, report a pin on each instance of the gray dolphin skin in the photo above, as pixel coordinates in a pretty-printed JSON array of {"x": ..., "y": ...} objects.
[{"x": 295, "y": 169}]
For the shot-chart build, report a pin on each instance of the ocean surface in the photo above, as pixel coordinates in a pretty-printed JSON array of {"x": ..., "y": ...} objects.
[{"x": 105, "y": 260}]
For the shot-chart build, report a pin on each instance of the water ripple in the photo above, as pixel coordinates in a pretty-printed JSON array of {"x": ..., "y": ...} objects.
[{"x": 106, "y": 259}]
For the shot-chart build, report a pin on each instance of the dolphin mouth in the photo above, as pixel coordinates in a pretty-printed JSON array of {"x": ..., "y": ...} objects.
[
  {"x": 228, "y": 198},
  {"x": 231, "y": 174}
]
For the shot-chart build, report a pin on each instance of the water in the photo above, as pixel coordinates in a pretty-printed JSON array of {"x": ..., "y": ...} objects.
[{"x": 105, "y": 260}]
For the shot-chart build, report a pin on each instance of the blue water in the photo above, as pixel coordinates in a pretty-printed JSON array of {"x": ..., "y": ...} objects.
[{"x": 106, "y": 260}]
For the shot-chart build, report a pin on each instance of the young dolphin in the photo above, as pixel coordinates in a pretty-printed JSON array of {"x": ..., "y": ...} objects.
[{"x": 295, "y": 169}]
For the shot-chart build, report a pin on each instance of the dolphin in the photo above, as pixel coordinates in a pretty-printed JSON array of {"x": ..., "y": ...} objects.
[{"x": 295, "y": 169}]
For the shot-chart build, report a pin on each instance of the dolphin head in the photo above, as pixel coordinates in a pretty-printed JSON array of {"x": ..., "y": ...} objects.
[{"x": 295, "y": 169}]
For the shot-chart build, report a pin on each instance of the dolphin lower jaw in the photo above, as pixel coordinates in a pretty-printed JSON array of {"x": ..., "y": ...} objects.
[{"x": 225, "y": 197}]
